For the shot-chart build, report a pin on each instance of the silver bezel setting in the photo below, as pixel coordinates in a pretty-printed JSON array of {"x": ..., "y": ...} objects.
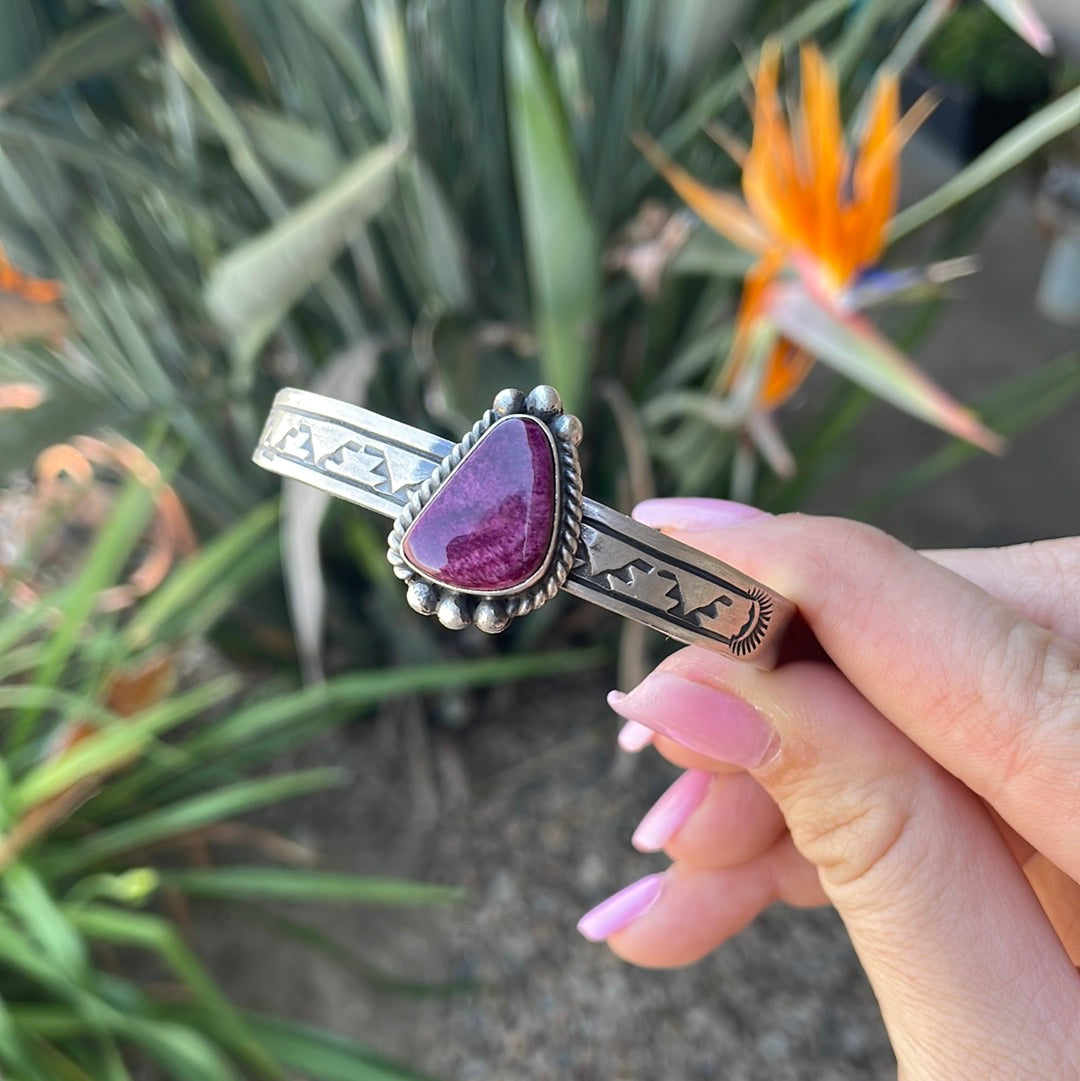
[
  {"x": 541, "y": 571},
  {"x": 492, "y": 611}
]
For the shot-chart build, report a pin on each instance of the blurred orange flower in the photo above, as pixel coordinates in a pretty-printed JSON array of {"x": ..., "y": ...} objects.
[
  {"x": 817, "y": 211},
  {"x": 810, "y": 203},
  {"x": 36, "y": 290}
]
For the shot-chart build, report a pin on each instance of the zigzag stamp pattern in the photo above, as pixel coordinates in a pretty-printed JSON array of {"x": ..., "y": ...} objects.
[
  {"x": 697, "y": 597},
  {"x": 354, "y": 457}
]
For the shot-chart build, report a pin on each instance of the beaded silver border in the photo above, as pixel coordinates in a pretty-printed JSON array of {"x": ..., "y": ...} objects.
[{"x": 493, "y": 611}]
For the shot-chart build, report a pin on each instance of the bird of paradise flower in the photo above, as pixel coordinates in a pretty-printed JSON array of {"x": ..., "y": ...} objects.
[
  {"x": 815, "y": 213},
  {"x": 34, "y": 290}
]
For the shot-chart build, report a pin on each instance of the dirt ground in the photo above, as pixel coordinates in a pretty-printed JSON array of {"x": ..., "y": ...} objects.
[{"x": 529, "y": 809}]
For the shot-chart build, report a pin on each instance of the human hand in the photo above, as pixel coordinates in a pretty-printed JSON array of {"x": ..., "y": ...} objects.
[{"x": 923, "y": 777}]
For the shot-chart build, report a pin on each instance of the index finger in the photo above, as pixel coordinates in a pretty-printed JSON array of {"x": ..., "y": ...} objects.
[{"x": 992, "y": 696}]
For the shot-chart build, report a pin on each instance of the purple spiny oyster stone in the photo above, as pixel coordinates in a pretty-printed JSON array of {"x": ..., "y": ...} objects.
[{"x": 489, "y": 527}]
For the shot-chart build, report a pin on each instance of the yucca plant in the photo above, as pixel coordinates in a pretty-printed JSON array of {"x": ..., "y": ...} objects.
[
  {"x": 114, "y": 766},
  {"x": 446, "y": 193}
]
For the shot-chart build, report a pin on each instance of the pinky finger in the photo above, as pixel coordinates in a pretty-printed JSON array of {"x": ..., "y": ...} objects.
[{"x": 678, "y": 917}]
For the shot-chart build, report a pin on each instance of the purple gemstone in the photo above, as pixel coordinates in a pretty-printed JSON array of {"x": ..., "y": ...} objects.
[{"x": 489, "y": 527}]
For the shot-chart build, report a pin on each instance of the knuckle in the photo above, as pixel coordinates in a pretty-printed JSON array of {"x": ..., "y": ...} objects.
[
  {"x": 838, "y": 539},
  {"x": 1051, "y": 570},
  {"x": 851, "y": 833},
  {"x": 1034, "y": 713},
  {"x": 1020, "y": 710},
  {"x": 833, "y": 545}
]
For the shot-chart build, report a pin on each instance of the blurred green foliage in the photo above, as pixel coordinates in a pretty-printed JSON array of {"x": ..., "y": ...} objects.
[
  {"x": 234, "y": 191},
  {"x": 977, "y": 51},
  {"x": 111, "y": 761}
]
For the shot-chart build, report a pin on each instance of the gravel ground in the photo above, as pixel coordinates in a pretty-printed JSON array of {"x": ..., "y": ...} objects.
[{"x": 530, "y": 810}]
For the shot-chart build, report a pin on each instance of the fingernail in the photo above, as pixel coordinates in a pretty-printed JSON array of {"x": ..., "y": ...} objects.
[
  {"x": 692, "y": 513},
  {"x": 701, "y": 718},
  {"x": 621, "y": 909},
  {"x": 634, "y": 737},
  {"x": 671, "y": 810}
]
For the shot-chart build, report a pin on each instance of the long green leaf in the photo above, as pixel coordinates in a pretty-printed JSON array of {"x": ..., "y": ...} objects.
[
  {"x": 114, "y": 544},
  {"x": 18, "y": 952},
  {"x": 182, "y": 1050},
  {"x": 62, "y": 1068},
  {"x": 301, "y": 714},
  {"x": 49, "y": 1019},
  {"x": 336, "y": 953},
  {"x": 117, "y": 743},
  {"x": 187, "y": 587},
  {"x": 325, "y": 1056},
  {"x": 187, "y": 815},
  {"x": 100, "y": 45},
  {"x": 361, "y": 689},
  {"x": 94, "y": 157},
  {"x": 562, "y": 250},
  {"x": 303, "y": 154},
  {"x": 14, "y": 1053},
  {"x": 39, "y": 697},
  {"x": 122, "y": 927},
  {"x": 17, "y": 624},
  {"x": 326, "y": 22},
  {"x": 438, "y": 238},
  {"x": 44, "y": 921},
  {"x": 1019, "y": 404},
  {"x": 864, "y": 22},
  {"x": 256, "y": 284},
  {"x": 854, "y": 348},
  {"x": 805, "y": 24},
  {"x": 1010, "y": 150},
  {"x": 248, "y": 165},
  {"x": 18, "y": 661},
  {"x": 287, "y": 884}
]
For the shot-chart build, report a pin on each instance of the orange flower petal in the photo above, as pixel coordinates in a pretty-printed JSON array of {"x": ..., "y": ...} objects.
[
  {"x": 875, "y": 181},
  {"x": 771, "y": 181},
  {"x": 36, "y": 290},
  {"x": 725, "y": 213},
  {"x": 788, "y": 365},
  {"x": 823, "y": 139},
  {"x": 788, "y": 368}
]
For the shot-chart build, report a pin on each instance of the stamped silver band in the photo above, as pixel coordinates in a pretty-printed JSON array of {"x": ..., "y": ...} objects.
[{"x": 622, "y": 565}]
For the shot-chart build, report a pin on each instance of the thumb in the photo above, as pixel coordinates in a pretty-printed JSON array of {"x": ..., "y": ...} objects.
[{"x": 971, "y": 978}]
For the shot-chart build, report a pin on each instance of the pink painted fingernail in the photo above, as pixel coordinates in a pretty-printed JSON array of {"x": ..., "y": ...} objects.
[
  {"x": 702, "y": 718},
  {"x": 634, "y": 737},
  {"x": 621, "y": 909},
  {"x": 692, "y": 513},
  {"x": 671, "y": 810}
]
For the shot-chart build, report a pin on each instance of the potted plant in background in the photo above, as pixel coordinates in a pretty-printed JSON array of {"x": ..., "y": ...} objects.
[{"x": 989, "y": 79}]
